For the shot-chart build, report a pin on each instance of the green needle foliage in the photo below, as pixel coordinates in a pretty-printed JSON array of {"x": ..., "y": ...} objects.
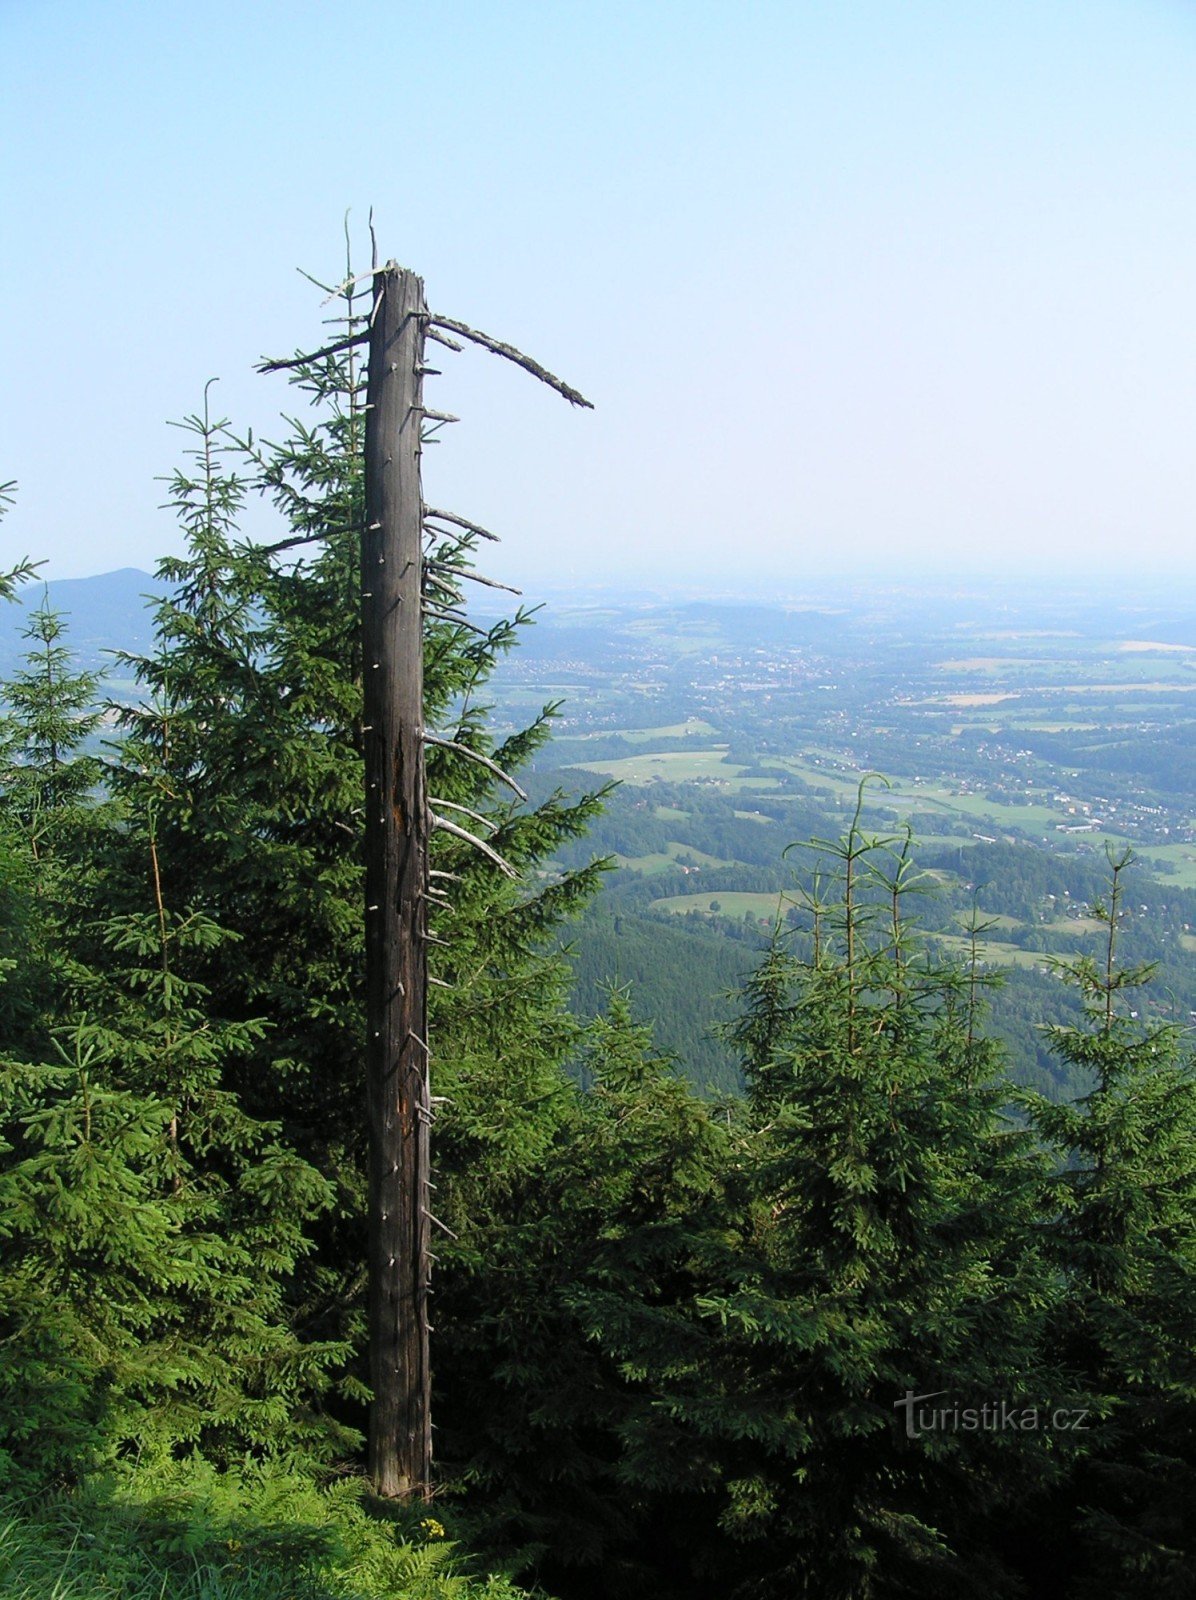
[
  {"x": 51, "y": 818},
  {"x": 573, "y": 1333},
  {"x": 193, "y": 932},
  {"x": 247, "y": 750},
  {"x": 1123, "y": 1240},
  {"x": 887, "y": 1251},
  {"x": 151, "y": 1225},
  {"x": 676, "y": 1341},
  {"x": 53, "y": 713}
]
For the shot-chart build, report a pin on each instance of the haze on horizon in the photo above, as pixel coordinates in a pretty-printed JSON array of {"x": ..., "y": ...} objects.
[{"x": 882, "y": 285}]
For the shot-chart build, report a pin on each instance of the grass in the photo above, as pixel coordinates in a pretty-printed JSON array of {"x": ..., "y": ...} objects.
[
  {"x": 681, "y": 766},
  {"x": 993, "y": 918},
  {"x": 979, "y": 808},
  {"x": 1153, "y": 646},
  {"x": 1077, "y": 925},
  {"x": 662, "y": 860},
  {"x": 976, "y": 808},
  {"x": 995, "y": 699},
  {"x": 841, "y": 783},
  {"x": 678, "y": 766},
  {"x": 1014, "y": 665},
  {"x": 992, "y": 952},
  {"x": 1179, "y": 859},
  {"x": 693, "y": 728},
  {"x": 185, "y": 1532},
  {"x": 1034, "y": 818},
  {"x": 726, "y": 903}
]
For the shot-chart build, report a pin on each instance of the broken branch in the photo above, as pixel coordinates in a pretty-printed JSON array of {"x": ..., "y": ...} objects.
[
  {"x": 317, "y": 355},
  {"x": 440, "y": 338},
  {"x": 475, "y": 755},
  {"x": 509, "y": 352},
  {"x": 460, "y": 522},
  {"x": 478, "y": 844},
  {"x": 476, "y": 816},
  {"x": 474, "y": 577}
]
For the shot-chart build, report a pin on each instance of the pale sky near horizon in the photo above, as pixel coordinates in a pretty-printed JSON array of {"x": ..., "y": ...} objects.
[{"x": 852, "y": 283}]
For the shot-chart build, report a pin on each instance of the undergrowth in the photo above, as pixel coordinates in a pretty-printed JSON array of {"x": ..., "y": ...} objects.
[{"x": 182, "y": 1531}]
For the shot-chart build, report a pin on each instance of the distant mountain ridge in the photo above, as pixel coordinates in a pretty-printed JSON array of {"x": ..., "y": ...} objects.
[{"x": 110, "y": 611}]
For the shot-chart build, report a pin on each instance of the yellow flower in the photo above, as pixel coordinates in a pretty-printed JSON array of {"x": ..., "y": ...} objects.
[{"x": 433, "y": 1529}]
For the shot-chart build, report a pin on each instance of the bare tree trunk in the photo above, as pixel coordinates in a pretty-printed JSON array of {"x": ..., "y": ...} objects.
[{"x": 396, "y": 862}]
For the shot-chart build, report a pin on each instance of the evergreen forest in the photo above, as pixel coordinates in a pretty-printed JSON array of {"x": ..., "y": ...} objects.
[{"x": 870, "y": 1317}]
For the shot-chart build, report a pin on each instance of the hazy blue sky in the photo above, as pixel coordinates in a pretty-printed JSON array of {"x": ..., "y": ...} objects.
[{"x": 848, "y": 280}]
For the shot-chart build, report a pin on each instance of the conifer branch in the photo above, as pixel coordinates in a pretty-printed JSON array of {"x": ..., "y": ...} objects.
[
  {"x": 346, "y": 284},
  {"x": 473, "y": 577},
  {"x": 475, "y": 816},
  {"x": 436, "y": 1222},
  {"x": 510, "y": 353},
  {"x": 460, "y": 522},
  {"x": 455, "y": 619},
  {"x": 291, "y": 544},
  {"x": 478, "y": 844},
  {"x": 475, "y": 755},
  {"x": 318, "y": 355}
]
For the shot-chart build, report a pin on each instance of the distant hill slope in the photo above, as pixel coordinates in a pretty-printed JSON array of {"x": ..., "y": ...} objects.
[{"x": 103, "y": 613}]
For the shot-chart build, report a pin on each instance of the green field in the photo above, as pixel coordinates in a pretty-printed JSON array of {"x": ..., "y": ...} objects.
[
  {"x": 663, "y": 860},
  {"x": 681, "y": 766},
  {"x": 727, "y": 903},
  {"x": 1041, "y": 817},
  {"x": 993, "y": 920},
  {"x": 692, "y": 728},
  {"x": 1038, "y": 817},
  {"x": 1077, "y": 925},
  {"x": 992, "y": 952},
  {"x": 1178, "y": 860}
]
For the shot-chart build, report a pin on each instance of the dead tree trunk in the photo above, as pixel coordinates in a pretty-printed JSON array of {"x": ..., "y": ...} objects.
[
  {"x": 399, "y": 820},
  {"x": 396, "y": 869}
]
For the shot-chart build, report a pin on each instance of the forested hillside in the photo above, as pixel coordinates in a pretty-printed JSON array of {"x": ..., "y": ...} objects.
[
  {"x": 834, "y": 1305},
  {"x": 706, "y": 804}
]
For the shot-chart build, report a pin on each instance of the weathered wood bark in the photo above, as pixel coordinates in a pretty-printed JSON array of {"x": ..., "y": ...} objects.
[{"x": 396, "y": 845}]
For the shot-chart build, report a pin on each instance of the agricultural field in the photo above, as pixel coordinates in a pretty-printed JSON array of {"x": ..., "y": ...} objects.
[
  {"x": 674, "y": 854},
  {"x": 993, "y": 952},
  {"x": 1019, "y": 737},
  {"x": 1019, "y": 740},
  {"x": 711, "y": 766},
  {"x": 1176, "y": 862},
  {"x": 763, "y": 908}
]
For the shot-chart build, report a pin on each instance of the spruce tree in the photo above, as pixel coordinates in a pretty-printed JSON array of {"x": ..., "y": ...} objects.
[
  {"x": 53, "y": 711},
  {"x": 574, "y": 1334},
  {"x": 249, "y": 737},
  {"x": 888, "y": 1252},
  {"x": 47, "y": 711},
  {"x": 1123, "y": 1238},
  {"x": 152, "y": 1225},
  {"x": 11, "y": 580}
]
